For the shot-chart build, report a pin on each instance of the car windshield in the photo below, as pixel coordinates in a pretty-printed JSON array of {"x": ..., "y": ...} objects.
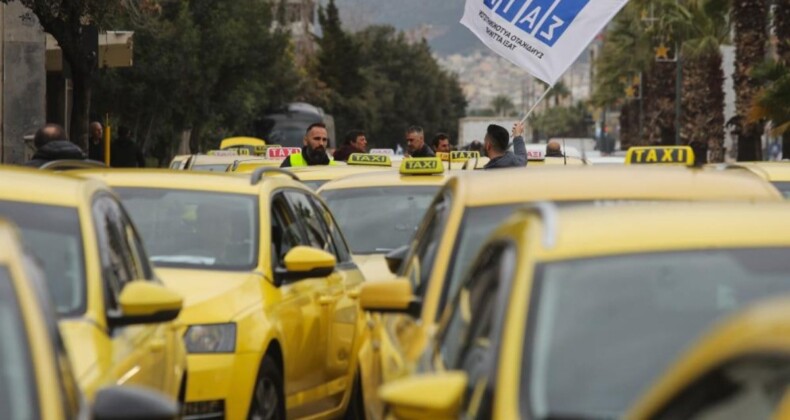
[
  {"x": 314, "y": 185},
  {"x": 211, "y": 168},
  {"x": 478, "y": 223},
  {"x": 603, "y": 330},
  {"x": 784, "y": 188},
  {"x": 52, "y": 233},
  {"x": 17, "y": 388},
  {"x": 379, "y": 219},
  {"x": 196, "y": 229}
]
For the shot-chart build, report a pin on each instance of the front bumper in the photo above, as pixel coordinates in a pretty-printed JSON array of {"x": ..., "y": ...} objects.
[{"x": 229, "y": 378}]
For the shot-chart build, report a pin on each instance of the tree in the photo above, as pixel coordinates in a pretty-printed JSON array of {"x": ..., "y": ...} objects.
[
  {"x": 781, "y": 25},
  {"x": 773, "y": 101},
  {"x": 503, "y": 106},
  {"x": 750, "y": 18},
  {"x": 70, "y": 23},
  {"x": 702, "y": 26}
]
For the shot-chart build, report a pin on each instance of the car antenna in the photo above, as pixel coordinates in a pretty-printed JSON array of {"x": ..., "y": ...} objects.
[{"x": 564, "y": 152}]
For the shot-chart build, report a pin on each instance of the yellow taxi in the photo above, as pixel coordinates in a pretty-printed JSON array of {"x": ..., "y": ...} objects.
[
  {"x": 217, "y": 161},
  {"x": 37, "y": 380},
  {"x": 777, "y": 173},
  {"x": 472, "y": 204},
  {"x": 748, "y": 356},
  {"x": 272, "y": 325},
  {"x": 573, "y": 312},
  {"x": 246, "y": 143},
  {"x": 380, "y": 211},
  {"x": 114, "y": 312},
  {"x": 536, "y": 156}
]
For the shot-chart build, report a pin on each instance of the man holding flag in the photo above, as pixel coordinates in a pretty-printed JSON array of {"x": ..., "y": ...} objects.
[{"x": 496, "y": 145}]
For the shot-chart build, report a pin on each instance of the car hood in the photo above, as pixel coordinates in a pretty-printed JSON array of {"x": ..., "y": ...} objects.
[
  {"x": 213, "y": 296},
  {"x": 373, "y": 267}
]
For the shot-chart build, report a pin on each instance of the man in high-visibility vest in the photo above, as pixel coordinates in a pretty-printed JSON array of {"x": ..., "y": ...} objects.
[{"x": 314, "y": 149}]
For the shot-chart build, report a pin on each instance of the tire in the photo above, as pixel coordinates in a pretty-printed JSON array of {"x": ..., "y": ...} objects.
[
  {"x": 268, "y": 398},
  {"x": 356, "y": 405}
]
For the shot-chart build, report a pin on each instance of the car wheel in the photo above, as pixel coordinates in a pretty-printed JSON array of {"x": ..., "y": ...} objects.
[
  {"x": 268, "y": 399},
  {"x": 356, "y": 405}
]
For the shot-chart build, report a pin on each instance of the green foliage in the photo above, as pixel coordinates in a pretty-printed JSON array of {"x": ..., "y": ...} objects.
[
  {"x": 213, "y": 67},
  {"x": 773, "y": 101},
  {"x": 561, "y": 122},
  {"x": 503, "y": 106},
  {"x": 387, "y": 85}
]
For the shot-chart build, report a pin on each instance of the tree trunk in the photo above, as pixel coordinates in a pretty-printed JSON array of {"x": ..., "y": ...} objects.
[
  {"x": 80, "y": 109},
  {"x": 629, "y": 125},
  {"x": 702, "y": 123},
  {"x": 782, "y": 30},
  {"x": 751, "y": 20},
  {"x": 659, "y": 97}
]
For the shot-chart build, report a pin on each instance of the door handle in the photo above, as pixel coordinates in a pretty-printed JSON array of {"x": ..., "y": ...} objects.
[{"x": 156, "y": 345}]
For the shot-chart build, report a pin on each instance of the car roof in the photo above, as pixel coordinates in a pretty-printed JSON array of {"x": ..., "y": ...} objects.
[
  {"x": 772, "y": 171},
  {"x": 584, "y": 183},
  {"x": 184, "y": 180},
  {"x": 383, "y": 179},
  {"x": 44, "y": 187},
  {"x": 220, "y": 160},
  {"x": 586, "y": 231},
  {"x": 8, "y": 243},
  {"x": 761, "y": 329}
]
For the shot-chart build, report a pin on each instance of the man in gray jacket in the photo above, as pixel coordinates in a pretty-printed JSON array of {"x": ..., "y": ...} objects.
[{"x": 496, "y": 145}]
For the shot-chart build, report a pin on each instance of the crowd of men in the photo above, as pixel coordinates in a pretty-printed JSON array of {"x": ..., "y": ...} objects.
[
  {"x": 52, "y": 144},
  {"x": 495, "y": 146}
]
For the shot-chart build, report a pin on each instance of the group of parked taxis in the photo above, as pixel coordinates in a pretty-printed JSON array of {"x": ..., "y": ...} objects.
[{"x": 384, "y": 288}]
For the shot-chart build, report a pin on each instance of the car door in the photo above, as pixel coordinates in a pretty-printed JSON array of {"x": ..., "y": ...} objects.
[
  {"x": 471, "y": 329},
  {"x": 133, "y": 349},
  {"x": 304, "y": 332},
  {"x": 344, "y": 313}
]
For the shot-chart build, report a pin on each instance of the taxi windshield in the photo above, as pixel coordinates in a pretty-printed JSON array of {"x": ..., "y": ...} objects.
[
  {"x": 195, "y": 229},
  {"x": 379, "y": 219},
  {"x": 17, "y": 389},
  {"x": 783, "y": 187},
  {"x": 53, "y": 234},
  {"x": 478, "y": 223},
  {"x": 604, "y": 329}
]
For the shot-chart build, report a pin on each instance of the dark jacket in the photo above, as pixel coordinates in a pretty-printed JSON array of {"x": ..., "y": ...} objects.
[
  {"x": 322, "y": 159},
  {"x": 342, "y": 154},
  {"x": 96, "y": 150},
  {"x": 56, "y": 150},
  {"x": 124, "y": 153},
  {"x": 424, "y": 152},
  {"x": 515, "y": 159}
]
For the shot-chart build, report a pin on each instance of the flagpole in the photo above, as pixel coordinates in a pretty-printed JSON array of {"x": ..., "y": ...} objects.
[{"x": 535, "y": 105}]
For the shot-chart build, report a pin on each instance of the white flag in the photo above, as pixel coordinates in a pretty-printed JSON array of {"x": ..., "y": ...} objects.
[{"x": 544, "y": 37}]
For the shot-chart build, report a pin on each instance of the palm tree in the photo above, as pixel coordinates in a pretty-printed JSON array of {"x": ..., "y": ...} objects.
[
  {"x": 781, "y": 24},
  {"x": 559, "y": 92},
  {"x": 702, "y": 25},
  {"x": 750, "y": 18},
  {"x": 773, "y": 101},
  {"x": 503, "y": 106}
]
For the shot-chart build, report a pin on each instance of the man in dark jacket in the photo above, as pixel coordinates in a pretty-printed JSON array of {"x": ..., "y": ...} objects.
[
  {"x": 124, "y": 152},
  {"x": 96, "y": 142},
  {"x": 354, "y": 142},
  {"x": 415, "y": 143},
  {"x": 496, "y": 145},
  {"x": 52, "y": 144}
]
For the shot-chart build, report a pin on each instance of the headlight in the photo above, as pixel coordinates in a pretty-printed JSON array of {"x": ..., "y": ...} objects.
[{"x": 215, "y": 338}]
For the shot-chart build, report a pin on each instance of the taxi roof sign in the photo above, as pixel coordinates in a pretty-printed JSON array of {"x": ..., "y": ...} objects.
[
  {"x": 228, "y": 152},
  {"x": 365, "y": 159},
  {"x": 421, "y": 166},
  {"x": 282, "y": 152},
  {"x": 660, "y": 155},
  {"x": 464, "y": 155},
  {"x": 536, "y": 155}
]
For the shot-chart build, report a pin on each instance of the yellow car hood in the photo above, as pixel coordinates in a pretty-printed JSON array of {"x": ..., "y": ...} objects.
[
  {"x": 373, "y": 267},
  {"x": 213, "y": 296},
  {"x": 88, "y": 348}
]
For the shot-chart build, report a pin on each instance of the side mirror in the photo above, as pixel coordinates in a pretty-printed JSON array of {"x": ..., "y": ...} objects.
[
  {"x": 304, "y": 262},
  {"x": 389, "y": 296},
  {"x": 145, "y": 302},
  {"x": 129, "y": 402},
  {"x": 395, "y": 258},
  {"x": 436, "y": 396}
]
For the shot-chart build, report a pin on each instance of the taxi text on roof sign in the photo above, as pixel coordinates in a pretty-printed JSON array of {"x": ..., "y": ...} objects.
[
  {"x": 364, "y": 159},
  {"x": 282, "y": 152},
  {"x": 535, "y": 155},
  {"x": 464, "y": 155},
  {"x": 228, "y": 152},
  {"x": 421, "y": 166},
  {"x": 667, "y": 155}
]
